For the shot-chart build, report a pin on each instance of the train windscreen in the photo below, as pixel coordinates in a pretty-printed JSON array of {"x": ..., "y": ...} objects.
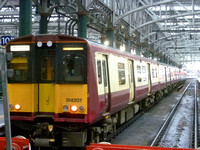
[
  {"x": 19, "y": 64},
  {"x": 73, "y": 67},
  {"x": 74, "y": 63},
  {"x": 62, "y": 63}
]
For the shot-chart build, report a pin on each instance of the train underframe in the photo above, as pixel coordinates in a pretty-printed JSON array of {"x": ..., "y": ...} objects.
[
  {"x": 100, "y": 133},
  {"x": 45, "y": 133}
]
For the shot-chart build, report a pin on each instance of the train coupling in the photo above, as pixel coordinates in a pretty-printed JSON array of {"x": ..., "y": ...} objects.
[{"x": 43, "y": 135}]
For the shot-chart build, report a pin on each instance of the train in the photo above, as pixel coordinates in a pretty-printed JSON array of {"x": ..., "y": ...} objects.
[{"x": 70, "y": 91}]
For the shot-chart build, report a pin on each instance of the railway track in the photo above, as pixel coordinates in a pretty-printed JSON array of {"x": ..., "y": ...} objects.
[{"x": 178, "y": 127}]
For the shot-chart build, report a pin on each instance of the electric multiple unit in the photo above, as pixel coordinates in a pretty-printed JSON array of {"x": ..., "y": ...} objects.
[{"x": 66, "y": 88}]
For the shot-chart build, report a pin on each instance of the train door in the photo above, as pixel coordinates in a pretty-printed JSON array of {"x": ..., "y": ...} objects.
[
  {"x": 149, "y": 78},
  {"x": 131, "y": 82},
  {"x": 103, "y": 80},
  {"x": 106, "y": 81},
  {"x": 170, "y": 75},
  {"x": 46, "y": 75},
  {"x": 165, "y": 75}
]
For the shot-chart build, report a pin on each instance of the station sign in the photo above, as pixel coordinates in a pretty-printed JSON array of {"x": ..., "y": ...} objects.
[{"x": 6, "y": 39}]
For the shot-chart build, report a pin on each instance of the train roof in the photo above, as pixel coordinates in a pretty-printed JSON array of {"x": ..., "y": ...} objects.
[
  {"x": 61, "y": 37},
  {"x": 127, "y": 54}
]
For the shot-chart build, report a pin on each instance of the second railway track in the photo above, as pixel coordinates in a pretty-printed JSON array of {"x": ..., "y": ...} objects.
[
  {"x": 180, "y": 127},
  {"x": 145, "y": 129}
]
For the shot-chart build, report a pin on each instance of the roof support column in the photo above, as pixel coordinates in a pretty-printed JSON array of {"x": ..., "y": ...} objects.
[
  {"x": 45, "y": 11},
  {"x": 152, "y": 56},
  {"x": 146, "y": 53},
  {"x": 110, "y": 36},
  {"x": 82, "y": 24},
  {"x": 162, "y": 59},
  {"x": 128, "y": 45},
  {"x": 43, "y": 24},
  {"x": 138, "y": 50},
  {"x": 25, "y": 17},
  {"x": 103, "y": 39}
]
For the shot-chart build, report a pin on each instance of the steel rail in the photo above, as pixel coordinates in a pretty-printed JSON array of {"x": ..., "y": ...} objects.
[{"x": 169, "y": 117}]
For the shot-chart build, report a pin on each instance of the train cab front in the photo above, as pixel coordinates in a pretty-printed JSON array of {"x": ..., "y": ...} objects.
[
  {"x": 22, "y": 87},
  {"x": 49, "y": 85}
]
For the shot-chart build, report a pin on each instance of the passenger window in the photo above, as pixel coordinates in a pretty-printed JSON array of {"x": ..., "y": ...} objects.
[
  {"x": 121, "y": 73},
  {"x": 143, "y": 69},
  {"x": 138, "y": 69},
  {"x": 20, "y": 67},
  {"x": 104, "y": 73},
  {"x": 153, "y": 73},
  {"x": 156, "y": 74},
  {"x": 99, "y": 71}
]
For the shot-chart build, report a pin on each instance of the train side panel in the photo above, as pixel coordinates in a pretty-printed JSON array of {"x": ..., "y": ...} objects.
[
  {"x": 154, "y": 77},
  {"x": 168, "y": 74},
  {"x": 119, "y": 82},
  {"x": 141, "y": 79},
  {"x": 112, "y": 82},
  {"x": 162, "y": 77}
]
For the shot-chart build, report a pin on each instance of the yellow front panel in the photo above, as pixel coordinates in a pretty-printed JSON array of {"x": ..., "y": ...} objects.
[
  {"x": 69, "y": 95},
  {"x": 25, "y": 95},
  {"x": 46, "y": 97}
]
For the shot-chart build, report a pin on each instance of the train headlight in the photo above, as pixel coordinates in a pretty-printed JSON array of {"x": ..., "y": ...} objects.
[
  {"x": 81, "y": 108},
  {"x": 17, "y": 107},
  {"x": 65, "y": 108},
  {"x": 74, "y": 108},
  {"x": 39, "y": 44},
  {"x": 49, "y": 43}
]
